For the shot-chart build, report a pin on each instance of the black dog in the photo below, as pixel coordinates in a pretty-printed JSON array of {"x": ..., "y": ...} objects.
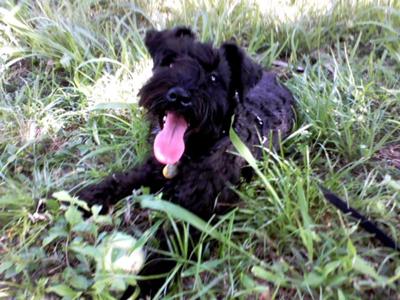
[{"x": 194, "y": 96}]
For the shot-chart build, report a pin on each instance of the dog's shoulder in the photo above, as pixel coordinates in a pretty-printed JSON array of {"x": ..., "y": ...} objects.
[{"x": 269, "y": 89}]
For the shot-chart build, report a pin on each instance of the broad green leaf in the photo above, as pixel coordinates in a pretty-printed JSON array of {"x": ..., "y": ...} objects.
[
  {"x": 307, "y": 238},
  {"x": 86, "y": 226},
  {"x": 261, "y": 273},
  {"x": 54, "y": 233},
  {"x": 66, "y": 197},
  {"x": 79, "y": 282},
  {"x": 76, "y": 280},
  {"x": 63, "y": 196},
  {"x": 331, "y": 266},
  {"x": 73, "y": 216},
  {"x": 313, "y": 280},
  {"x": 52, "y": 205},
  {"x": 88, "y": 250},
  {"x": 341, "y": 296},
  {"x": 118, "y": 284},
  {"x": 64, "y": 290},
  {"x": 5, "y": 265},
  {"x": 351, "y": 250},
  {"x": 365, "y": 268},
  {"x": 247, "y": 281}
]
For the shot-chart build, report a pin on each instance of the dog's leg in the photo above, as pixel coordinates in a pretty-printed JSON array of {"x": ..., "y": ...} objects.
[{"x": 119, "y": 185}]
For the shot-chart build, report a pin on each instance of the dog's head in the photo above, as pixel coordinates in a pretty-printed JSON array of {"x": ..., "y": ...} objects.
[{"x": 194, "y": 89}]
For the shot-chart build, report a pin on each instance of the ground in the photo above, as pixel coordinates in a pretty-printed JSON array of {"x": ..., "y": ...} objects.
[{"x": 70, "y": 72}]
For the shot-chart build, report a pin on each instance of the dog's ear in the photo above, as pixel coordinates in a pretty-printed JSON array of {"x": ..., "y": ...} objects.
[
  {"x": 152, "y": 41},
  {"x": 183, "y": 31},
  {"x": 245, "y": 73}
]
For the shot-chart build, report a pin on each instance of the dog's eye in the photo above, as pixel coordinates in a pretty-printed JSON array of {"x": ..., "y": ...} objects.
[{"x": 213, "y": 77}]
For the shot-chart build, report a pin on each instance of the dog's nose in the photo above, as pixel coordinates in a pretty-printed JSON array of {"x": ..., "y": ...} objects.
[{"x": 179, "y": 94}]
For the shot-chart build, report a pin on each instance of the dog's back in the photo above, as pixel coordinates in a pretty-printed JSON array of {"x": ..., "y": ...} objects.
[{"x": 266, "y": 112}]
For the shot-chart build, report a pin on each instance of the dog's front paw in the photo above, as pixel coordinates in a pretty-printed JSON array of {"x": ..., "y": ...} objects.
[{"x": 98, "y": 194}]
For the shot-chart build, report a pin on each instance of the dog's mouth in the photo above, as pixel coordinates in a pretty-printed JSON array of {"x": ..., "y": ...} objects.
[{"x": 169, "y": 143}]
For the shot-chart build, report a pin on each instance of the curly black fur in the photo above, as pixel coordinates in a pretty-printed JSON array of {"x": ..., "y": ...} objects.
[{"x": 214, "y": 85}]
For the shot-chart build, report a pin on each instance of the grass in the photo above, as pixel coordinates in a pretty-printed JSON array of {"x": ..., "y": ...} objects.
[{"x": 70, "y": 72}]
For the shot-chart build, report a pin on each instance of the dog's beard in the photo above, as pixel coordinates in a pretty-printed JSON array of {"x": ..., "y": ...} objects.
[{"x": 169, "y": 143}]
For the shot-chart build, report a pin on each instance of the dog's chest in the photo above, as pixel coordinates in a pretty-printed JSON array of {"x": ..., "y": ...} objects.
[{"x": 210, "y": 171}]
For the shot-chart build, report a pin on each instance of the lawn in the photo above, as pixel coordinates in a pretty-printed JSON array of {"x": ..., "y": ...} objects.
[{"x": 69, "y": 76}]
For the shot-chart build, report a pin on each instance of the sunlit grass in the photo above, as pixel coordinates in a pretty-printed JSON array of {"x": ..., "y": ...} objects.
[{"x": 69, "y": 76}]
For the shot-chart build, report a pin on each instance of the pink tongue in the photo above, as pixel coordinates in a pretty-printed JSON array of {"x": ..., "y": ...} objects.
[{"x": 169, "y": 145}]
